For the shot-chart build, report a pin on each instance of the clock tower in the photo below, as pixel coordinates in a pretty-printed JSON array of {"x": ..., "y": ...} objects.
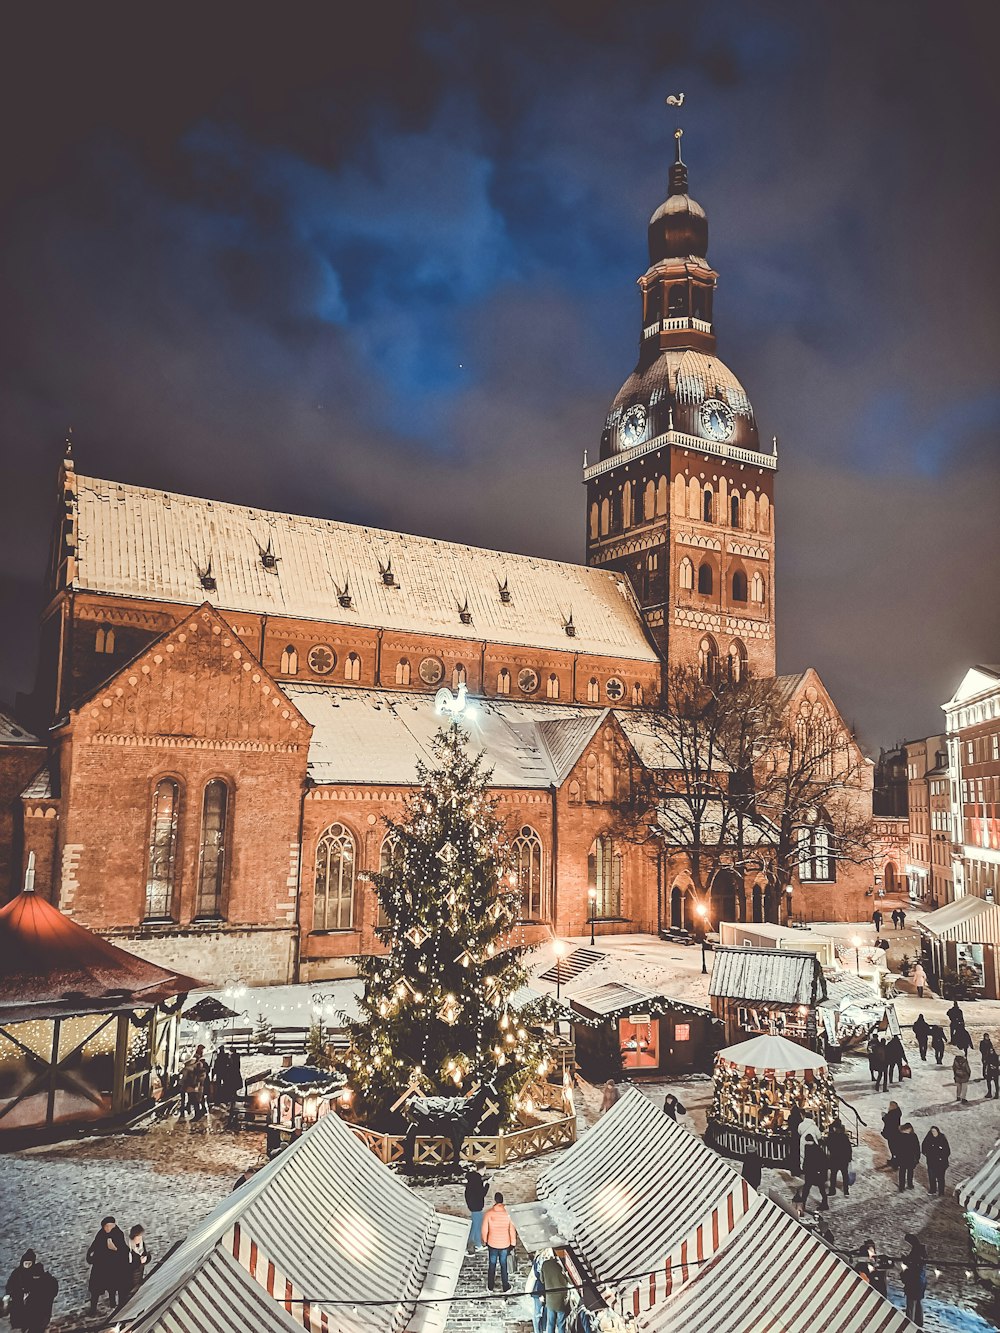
[{"x": 681, "y": 499}]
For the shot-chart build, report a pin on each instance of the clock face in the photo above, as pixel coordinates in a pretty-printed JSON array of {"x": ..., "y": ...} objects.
[
  {"x": 717, "y": 420},
  {"x": 633, "y": 424}
]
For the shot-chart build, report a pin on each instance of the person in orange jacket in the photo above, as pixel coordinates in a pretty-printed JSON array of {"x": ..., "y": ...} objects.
[{"x": 499, "y": 1237}]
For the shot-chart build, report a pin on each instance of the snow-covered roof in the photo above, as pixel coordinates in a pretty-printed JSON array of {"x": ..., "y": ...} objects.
[
  {"x": 970, "y": 919},
  {"x": 775, "y": 1274},
  {"x": 772, "y": 1053},
  {"x": 716, "y": 825},
  {"x": 324, "y": 1222},
  {"x": 776, "y": 975},
  {"x": 40, "y": 786},
  {"x": 12, "y": 733},
  {"x": 620, "y": 996},
  {"x": 136, "y": 542},
  {"x": 981, "y": 1192},
  {"x": 638, "y": 1193},
  {"x": 380, "y": 735}
]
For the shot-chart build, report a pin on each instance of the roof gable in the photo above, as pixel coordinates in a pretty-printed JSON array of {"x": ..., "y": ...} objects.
[{"x": 977, "y": 680}]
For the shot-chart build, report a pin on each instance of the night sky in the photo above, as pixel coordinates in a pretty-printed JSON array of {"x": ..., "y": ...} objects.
[{"x": 377, "y": 263}]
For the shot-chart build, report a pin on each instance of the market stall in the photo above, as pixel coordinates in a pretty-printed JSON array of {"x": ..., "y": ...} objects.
[
  {"x": 959, "y": 948},
  {"x": 760, "y": 991},
  {"x": 979, "y": 1197},
  {"x": 622, "y": 1029},
  {"x": 765, "y": 935},
  {"x": 298, "y": 1096},
  {"x": 757, "y": 1083}
]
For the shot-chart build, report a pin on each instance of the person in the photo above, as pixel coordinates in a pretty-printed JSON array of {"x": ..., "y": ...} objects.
[
  {"x": 873, "y": 1267},
  {"x": 877, "y": 1062},
  {"x": 535, "y": 1288},
  {"x": 962, "y": 1039},
  {"x": 877, "y": 920},
  {"x": 936, "y": 1150},
  {"x": 792, "y": 1125},
  {"x": 138, "y": 1257},
  {"x": 752, "y": 1167},
  {"x": 907, "y": 1156},
  {"x": 890, "y": 1130},
  {"x": 109, "y": 1264},
  {"x": 673, "y": 1107},
  {"x": 815, "y": 1169},
  {"x": 914, "y": 1273},
  {"x": 499, "y": 1237},
  {"x": 955, "y": 1017},
  {"x": 895, "y": 1059},
  {"x": 840, "y": 1151},
  {"x": 244, "y": 1176},
  {"x": 475, "y": 1201},
  {"x": 919, "y": 977},
  {"x": 922, "y": 1030},
  {"x": 556, "y": 1286},
  {"x": 883, "y": 945},
  {"x": 894, "y": 914},
  {"x": 991, "y": 1072},
  {"x": 610, "y": 1095},
  {"x": 985, "y": 1046},
  {"x": 32, "y": 1293},
  {"x": 937, "y": 1043},
  {"x": 902, "y": 918},
  {"x": 962, "y": 1072}
]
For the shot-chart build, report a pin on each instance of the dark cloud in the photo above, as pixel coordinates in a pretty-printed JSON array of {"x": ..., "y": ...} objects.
[{"x": 386, "y": 273}]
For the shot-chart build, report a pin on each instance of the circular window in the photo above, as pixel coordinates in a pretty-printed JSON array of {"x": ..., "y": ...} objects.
[
  {"x": 527, "y": 680},
  {"x": 614, "y": 688},
  {"x": 431, "y": 670},
  {"x": 322, "y": 659}
]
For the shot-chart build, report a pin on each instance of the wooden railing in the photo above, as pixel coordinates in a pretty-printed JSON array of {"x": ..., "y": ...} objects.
[{"x": 488, "y": 1150}]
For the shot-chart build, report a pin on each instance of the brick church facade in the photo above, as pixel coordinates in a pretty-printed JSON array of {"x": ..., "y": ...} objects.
[{"x": 236, "y": 698}]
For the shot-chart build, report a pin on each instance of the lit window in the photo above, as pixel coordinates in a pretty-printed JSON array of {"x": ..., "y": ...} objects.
[
  {"x": 212, "y": 855},
  {"x": 162, "y": 850},
  {"x": 816, "y": 862},
  {"x": 527, "y": 857},
  {"x": 604, "y": 874},
  {"x": 708, "y": 659},
  {"x": 333, "y": 907}
]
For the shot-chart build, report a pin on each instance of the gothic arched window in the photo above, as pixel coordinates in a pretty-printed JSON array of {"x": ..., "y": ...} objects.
[
  {"x": 390, "y": 858},
  {"x": 739, "y": 586},
  {"x": 705, "y": 577},
  {"x": 734, "y": 510},
  {"x": 708, "y": 504},
  {"x": 459, "y": 676},
  {"x": 289, "y": 661},
  {"x": 333, "y": 903},
  {"x": 816, "y": 861},
  {"x": 648, "y": 500},
  {"x": 686, "y": 574},
  {"x": 636, "y": 695},
  {"x": 527, "y": 856},
  {"x": 764, "y": 514},
  {"x": 593, "y": 691},
  {"x": 737, "y": 660},
  {"x": 403, "y": 671},
  {"x": 503, "y": 681},
  {"x": 627, "y": 505},
  {"x": 352, "y": 667},
  {"x": 104, "y": 640},
  {"x": 605, "y": 516},
  {"x": 708, "y": 659},
  {"x": 757, "y": 588},
  {"x": 212, "y": 852},
  {"x": 604, "y": 874},
  {"x": 162, "y": 850},
  {"x": 552, "y": 687}
]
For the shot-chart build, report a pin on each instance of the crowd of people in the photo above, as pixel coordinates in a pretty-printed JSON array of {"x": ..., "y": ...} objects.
[{"x": 203, "y": 1081}]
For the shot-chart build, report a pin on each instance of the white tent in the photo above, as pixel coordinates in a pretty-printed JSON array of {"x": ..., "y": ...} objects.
[
  {"x": 324, "y": 1228},
  {"x": 772, "y": 1055},
  {"x": 981, "y": 1192}
]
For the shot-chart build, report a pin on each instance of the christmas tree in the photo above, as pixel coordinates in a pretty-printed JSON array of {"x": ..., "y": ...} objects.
[{"x": 436, "y": 1012}]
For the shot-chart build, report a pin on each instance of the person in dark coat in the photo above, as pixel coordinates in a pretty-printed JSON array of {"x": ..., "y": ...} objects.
[
  {"x": 815, "y": 1169},
  {"x": 936, "y": 1150},
  {"x": 109, "y": 1264},
  {"x": 32, "y": 1293},
  {"x": 937, "y": 1043},
  {"x": 877, "y": 1062},
  {"x": 991, "y": 1072},
  {"x": 475, "y": 1200},
  {"x": 922, "y": 1030},
  {"x": 673, "y": 1107},
  {"x": 963, "y": 1039},
  {"x": 985, "y": 1046},
  {"x": 890, "y": 1130},
  {"x": 895, "y": 1058},
  {"x": 752, "y": 1167},
  {"x": 792, "y": 1126},
  {"x": 902, "y": 918},
  {"x": 907, "y": 1155},
  {"x": 840, "y": 1150},
  {"x": 913, "y": 1270},
  {"x": 955, "y": 1017},
  {"x": 873, "y": 1268},
  {"x": 877, "y": 921},
  {"x": 138, "y": 1257}
]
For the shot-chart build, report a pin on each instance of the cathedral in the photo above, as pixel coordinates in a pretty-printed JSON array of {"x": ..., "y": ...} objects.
[{"x": 236, "y": 698}]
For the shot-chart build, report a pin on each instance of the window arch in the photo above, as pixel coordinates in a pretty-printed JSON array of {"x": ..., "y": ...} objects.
[
  {"x": 352, "y": 667},
  {"x": 736, "y": 663},
  {"x": 593, "y": 691},
  {"x": 708, "y": 505},
  {"x": 705, "y": 577},
  {"x": 816, "y": 860},
  {"x": 764, "y": 514},
  {"x": 694, "y": 498},
  {"x": 212, "y": 851},
  {"x": 739, "y": 586},
  {"x": 527, "y": 857},
  {"x": 104, "y": 639},
  {"x": 289, "y": 661},
  {"x": 637, "y": 695},
  {"x": 686, "y": 574},
  {"x": 552, "y": 687},
  {"x": 403, "y": 671},
  {"x": 593, "y": 521},
  {"x": 680, "y": 495},
  {"x": 503, "y": 681},
  {"x": 605, "y": 516},
  {"x": 757, "y": 588},
  {"x": 162, "y": 870},
  {"x": 661, "y": 496},
  {"x": 627, "y": 505},
  {"x": 734, "y": 510},
  {"x": 604, "y": 875},
  {"x": 333, "y": 903},
  {"x": 750, "y": 511},
  {"x": 648, "y": 500},
  {"x": 708, "y": 659},
  {"x": 390, "y": 858},
  {"x": 459, "y": 676}
]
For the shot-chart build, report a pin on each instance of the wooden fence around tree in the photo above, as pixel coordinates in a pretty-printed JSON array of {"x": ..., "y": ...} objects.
[{"x": 487, "y": 1150}]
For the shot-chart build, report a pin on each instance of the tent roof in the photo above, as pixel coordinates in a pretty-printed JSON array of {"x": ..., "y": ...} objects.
[
  {"x": 329, "y": 1220},
  {"x": 777, "y": 1053},
  {"x": 49, "y": 964},
  {"x": 780, "y": 976},
  {"x": 971, "y": 919},
  {"x": 981, "y": 1192}
]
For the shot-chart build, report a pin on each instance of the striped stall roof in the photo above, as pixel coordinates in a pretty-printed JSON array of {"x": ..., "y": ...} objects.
[
  {"x": 640, "y": 1194},
  {"x": 981, "y": 1192},
  {"x": 774, "y": 1265},
  {"x": 777, "y": 975},
  {"x": 971, "y": 920},
  {"x": 772, "y": 1054},
  {"x": 322, "y": 1225},
  {"x": 218, "y": 1295}
]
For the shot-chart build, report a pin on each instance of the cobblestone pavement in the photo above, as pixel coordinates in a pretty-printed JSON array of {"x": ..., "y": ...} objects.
[{"x": 476, "y": 1308}]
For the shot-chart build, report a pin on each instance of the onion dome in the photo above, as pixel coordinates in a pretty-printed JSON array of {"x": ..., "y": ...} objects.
[{"x": 679, "y": 227}]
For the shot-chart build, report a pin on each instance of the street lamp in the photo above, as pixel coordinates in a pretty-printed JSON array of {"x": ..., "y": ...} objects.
[
  {"x": 702, "y": 912},
  {"x": 559, "y": 948},
  {"x": 856, "y": 941},
  {"x": 592, "y": 899}
]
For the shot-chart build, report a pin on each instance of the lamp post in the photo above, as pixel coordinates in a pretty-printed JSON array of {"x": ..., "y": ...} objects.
[
  {"x": 702, "y": 911},
  {"x": 856, "y": 941},
  {"x": 559, "y": 948},
  {"x": 592, "y": 900}
]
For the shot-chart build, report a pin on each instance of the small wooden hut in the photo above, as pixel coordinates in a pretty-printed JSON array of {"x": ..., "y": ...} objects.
[
  {"x": 621, "y": 1029},
  {"x": 88, "y": 1032},
  {"x": 757, "y": 992}
]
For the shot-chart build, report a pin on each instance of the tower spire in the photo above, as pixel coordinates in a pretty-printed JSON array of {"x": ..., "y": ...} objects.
[{"x": 678, "y": 168}]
